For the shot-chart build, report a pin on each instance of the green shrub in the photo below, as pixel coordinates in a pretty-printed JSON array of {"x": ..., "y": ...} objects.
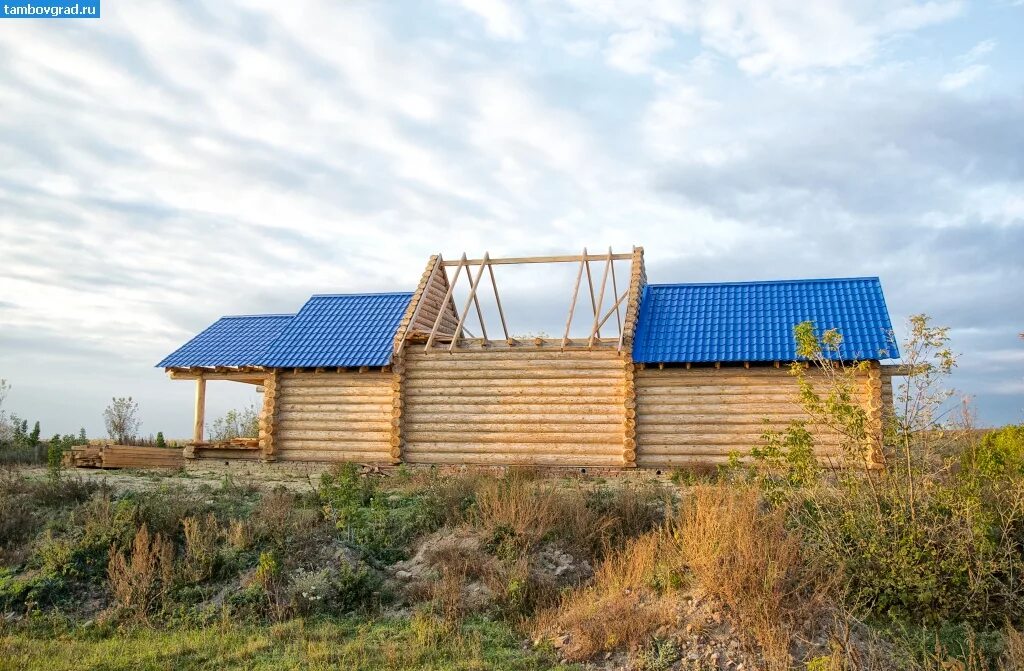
[{"x": 381, "y": 525}]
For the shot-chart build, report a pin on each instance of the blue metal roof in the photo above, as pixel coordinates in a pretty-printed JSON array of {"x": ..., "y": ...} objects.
[
  {"x": 230, "y": 341},
  {"x": 339, "y": 330},
  {"x": 753, "y": 321}
]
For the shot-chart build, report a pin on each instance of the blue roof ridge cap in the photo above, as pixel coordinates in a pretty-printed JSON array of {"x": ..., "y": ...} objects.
[
  {"x": 370, "y": 293},
  {"x": 271, "y": 314},
  {"x": 748, "y": 282}
]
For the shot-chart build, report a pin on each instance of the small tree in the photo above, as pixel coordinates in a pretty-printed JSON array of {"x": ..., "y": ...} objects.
[
  {"x": 33, "y": 438},
  {"x": 121, "y": 419},
  {"x": 244, "y": 423},
  {"x": 160, "y": 442}
]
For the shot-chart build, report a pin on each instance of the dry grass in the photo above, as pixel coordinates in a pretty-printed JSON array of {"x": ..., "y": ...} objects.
[
  {"x": 201, "y": 537},
  {"x": 139, "y": 582},
  {"x": 626, "y": 603},
  {"x": 1013, "y": 651},
  {"x": 742, "y": 553}
]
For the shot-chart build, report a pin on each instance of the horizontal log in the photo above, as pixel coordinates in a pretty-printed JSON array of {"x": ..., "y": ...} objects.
[
  {"x": 334, "y": 396},
  {"x": 521, "y": 407},
  {"x": 645, "y": 440},
  {"x": 479, "y": 364},
  {"x": 702, "y": 448},
  {"x": 527, "y": 354},
  {"x": 607, "y": 374},
  {"x": 659, "y": 401},
  {"x": 604, "y": 425},
  {"x": 284, "y": 435},
  {"x": 752, "y": 410},
  {"x": 383, "y": 457},
  {"x": 418, "y": 398},
  {"x": 335, "y": 412},
  {"x": 520, "y": 448},
  {"x": 341, "y": 380},
  {"x": 440, "y": 392},
  {"x": 754, "y": 429},
  {"x": 654, "y": 416},
  {"x": 512, "y": 438},
  {"x": 580, "y": 461},
  {"x": 605, "y": 415},
  {"x": 379, "y": 424},
  {"x": 666, "y": 461},
  {"x": 335, "y": 445}
]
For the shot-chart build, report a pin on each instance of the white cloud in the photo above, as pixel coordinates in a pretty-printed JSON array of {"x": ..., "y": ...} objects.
[
  {"x": 971, "y": 70},
  {"x": 963, "y": 77},
  {"x": 501, "y": 19},
  {"x": 632, "y": 50}
]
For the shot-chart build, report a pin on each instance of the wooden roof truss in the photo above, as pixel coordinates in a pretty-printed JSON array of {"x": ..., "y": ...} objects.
[{"x": 448, "y": 330}]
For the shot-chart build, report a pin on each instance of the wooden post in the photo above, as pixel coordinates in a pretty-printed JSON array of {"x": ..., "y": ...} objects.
[{"x": 197, "y": 433}]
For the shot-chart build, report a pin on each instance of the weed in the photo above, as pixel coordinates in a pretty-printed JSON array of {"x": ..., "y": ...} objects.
[
  {"x": 139, "y": 582},
  {"x": 201, "y": 537}
]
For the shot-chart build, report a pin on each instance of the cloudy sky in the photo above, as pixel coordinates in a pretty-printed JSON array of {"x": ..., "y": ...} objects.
[{"x": 176, "y": 161}]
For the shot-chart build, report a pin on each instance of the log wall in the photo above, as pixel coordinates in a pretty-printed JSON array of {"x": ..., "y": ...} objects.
[
  {"x": 332, "y": 416},
  {"x": 698, "y": 416},
  {"x": 530, "y": 406}
]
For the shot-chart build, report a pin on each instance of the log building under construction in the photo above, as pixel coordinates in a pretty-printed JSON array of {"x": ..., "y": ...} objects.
[{"x": 668, "y": 374}]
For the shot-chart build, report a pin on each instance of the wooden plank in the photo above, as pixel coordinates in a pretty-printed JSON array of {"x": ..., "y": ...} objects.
[{"x": 575, "y": 294}]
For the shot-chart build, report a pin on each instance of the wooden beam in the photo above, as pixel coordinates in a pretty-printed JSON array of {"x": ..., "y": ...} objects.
[
  {"x": 600, "y": 301},
  {"x": 200, "y": 415},
  {"x": 465, "y": 310},
  {"x": 447, "y": 297},
  {"x": 575, "y": 294},
  {"x": 476, "y": 299},
  {"x": 615, "y": 292},
  {"x": 590, "y": 283},
  {"x": 539, "y": 259},
  {"x": 256, "y": 378},
  {"x": 501, "y": 312},
  {"x": 598, "y": 325}
]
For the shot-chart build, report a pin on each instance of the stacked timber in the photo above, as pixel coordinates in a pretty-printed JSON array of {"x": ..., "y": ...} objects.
[
  {"x": 334, "y": 416},
  {"x": 700, "y": 415},
  {"x": 534, "y": 406},
  {"x": 83, "y": 456},
  {"x": 123, "y": 456}
]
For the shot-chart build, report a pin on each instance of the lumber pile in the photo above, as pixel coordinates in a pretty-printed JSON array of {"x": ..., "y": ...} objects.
[{"x": 122, "y": 456}]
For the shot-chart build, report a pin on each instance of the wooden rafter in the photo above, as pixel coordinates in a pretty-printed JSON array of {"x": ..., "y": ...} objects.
[
  {"x": 600, "y": 302},
  {"x": 465, "y": 309},
  {"x": 447, "y": 297},
  {"x": 575, "y": 294},
  {"x": 615, "y": 292},
  {"x": 607, "y": 316},
  {"x": 497, "y": 300}
]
